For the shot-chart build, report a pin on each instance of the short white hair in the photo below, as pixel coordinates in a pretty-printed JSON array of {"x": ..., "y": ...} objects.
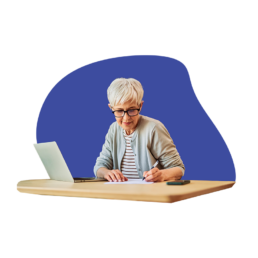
[{"x": 122, "y": 90}]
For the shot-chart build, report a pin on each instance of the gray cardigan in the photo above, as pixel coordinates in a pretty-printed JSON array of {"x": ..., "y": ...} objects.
[{"x": 150, "y": 142}]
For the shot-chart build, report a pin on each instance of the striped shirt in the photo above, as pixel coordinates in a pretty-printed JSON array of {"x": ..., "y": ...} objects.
[{"x": 128, "y": 167}]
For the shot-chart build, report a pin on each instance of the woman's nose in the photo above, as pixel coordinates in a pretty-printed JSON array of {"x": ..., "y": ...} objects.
[{"x": 126, "y": 117}]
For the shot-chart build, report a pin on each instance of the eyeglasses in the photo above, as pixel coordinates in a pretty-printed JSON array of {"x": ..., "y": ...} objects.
[{"x": 130, "y": 112}]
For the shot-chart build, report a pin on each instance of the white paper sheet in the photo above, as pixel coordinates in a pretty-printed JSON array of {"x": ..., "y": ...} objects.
[{"x": 131, "y": 182}]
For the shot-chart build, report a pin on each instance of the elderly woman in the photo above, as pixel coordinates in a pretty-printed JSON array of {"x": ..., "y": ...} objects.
[{"x": 135, "y": 142}]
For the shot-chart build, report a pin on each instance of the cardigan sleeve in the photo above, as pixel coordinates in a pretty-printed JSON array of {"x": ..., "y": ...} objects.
[
  {"x": 164, "y": 149},
  {"x": 105, "y": 158}
]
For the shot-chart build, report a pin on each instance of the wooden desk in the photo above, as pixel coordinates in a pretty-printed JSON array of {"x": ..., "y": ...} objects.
[{"x": 156, "y": 192}]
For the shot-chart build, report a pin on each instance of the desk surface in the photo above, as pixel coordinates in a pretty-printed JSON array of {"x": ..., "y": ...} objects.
[{"x": 156, "y": 192}]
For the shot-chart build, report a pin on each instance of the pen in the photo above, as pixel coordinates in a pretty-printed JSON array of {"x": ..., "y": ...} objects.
[{"x": 157, "y": 162}]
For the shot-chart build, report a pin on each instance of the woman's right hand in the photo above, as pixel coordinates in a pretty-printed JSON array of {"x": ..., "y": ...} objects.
[{"x": 115, "y": 175}]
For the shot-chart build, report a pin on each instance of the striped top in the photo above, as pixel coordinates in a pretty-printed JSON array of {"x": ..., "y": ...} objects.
[{"x": 128, "y": 162}]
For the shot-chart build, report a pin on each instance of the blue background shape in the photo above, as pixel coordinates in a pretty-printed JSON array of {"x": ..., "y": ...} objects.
[{"x": 75, "y": 114}]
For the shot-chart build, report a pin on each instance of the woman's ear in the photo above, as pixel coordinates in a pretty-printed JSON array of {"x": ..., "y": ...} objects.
[
  {"x": 142, "y": 104},
  {"x": 109, "y": 106}
]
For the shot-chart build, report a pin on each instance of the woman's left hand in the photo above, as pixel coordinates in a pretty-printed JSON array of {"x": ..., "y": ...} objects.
[{"x": 154, "y": 175}]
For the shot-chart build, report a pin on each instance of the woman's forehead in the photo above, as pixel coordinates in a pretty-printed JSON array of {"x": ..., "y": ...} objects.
[{"x": 127, "y": 104}]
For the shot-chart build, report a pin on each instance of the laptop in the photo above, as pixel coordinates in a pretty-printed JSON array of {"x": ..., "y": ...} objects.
[{"x": 56, "y": 166}]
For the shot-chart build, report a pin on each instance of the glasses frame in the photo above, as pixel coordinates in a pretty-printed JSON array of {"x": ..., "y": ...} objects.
[{"x": 127, "y": 112}]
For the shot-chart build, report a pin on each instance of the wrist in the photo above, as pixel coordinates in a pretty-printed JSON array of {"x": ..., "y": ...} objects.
[
  {"x": 102, "y": 172},
  {"x": 172, "y": 173}
]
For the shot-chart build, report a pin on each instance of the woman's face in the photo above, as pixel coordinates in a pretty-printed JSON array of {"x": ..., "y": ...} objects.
[{"x": 128, "y": 123}]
